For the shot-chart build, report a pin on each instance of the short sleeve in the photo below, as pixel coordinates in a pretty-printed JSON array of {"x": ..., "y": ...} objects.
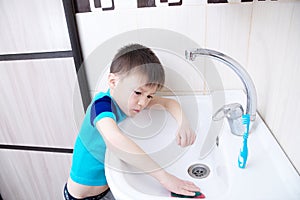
[{"x": 100, "y": 109}]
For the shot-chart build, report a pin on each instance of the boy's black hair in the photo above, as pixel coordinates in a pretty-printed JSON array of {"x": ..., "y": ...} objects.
[{"x": 136, "y": 57}]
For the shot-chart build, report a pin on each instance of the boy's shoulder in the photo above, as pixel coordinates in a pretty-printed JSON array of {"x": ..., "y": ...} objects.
[
  {"x": 104, "y": 103},
  {"x": 100, "y": 95}
]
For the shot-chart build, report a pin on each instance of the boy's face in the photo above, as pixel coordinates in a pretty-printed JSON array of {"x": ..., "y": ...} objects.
[{"x": 131, "y": 92}]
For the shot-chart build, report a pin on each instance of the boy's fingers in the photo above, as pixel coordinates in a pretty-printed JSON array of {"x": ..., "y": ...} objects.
[
  {"x": 191, "y": 187},
  {"x": 194, "y": 138},
  {"x": 187, "y": 193},
  {"x": 178, "y": 139},
  {"x": 185, "y": 138}
]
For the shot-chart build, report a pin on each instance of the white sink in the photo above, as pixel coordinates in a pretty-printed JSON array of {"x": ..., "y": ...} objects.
[{"x": 268, "y": 175}]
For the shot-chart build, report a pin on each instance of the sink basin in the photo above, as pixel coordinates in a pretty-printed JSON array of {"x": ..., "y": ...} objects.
[
  {"x": 268, "y": 174},
  {"x": 215, "y": 184}
]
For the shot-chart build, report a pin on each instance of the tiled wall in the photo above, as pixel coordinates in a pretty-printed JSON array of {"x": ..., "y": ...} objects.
[
  {"x": 273, "y": 62},
  {"x": 262, "y": 35},
  {"x": 37, "y": 93}
]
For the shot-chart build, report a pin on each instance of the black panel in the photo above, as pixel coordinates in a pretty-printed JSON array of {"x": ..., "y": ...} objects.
[
  {"x": 77, "y": 54},
  {"x": 179, "y": 3},
  {"x": 145, "y": 3},
  {"x": 82, "y": 6},
  {"x": 97, "y": 3},
  {"x": 38, "y": 55},
  {"x": 217, "y": 1},
  {"x": 36, "y": 148}
]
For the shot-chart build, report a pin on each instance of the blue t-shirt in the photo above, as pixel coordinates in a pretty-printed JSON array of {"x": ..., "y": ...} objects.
[{"x": 89, "y": 150}]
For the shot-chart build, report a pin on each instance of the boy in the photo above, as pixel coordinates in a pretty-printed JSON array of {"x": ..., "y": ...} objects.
[{"x": 135, "y": 75}]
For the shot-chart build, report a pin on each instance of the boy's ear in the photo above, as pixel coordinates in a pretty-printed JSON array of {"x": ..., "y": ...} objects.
[{"x": 112, "y": 80}]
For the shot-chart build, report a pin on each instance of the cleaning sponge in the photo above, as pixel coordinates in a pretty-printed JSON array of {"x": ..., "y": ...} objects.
[{"x": 198, "y": 195}]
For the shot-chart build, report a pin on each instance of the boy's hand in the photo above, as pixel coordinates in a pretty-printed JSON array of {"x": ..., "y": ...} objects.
[
  {"x": 179, "y": 186},
  {"x": 185, "y": 135}
]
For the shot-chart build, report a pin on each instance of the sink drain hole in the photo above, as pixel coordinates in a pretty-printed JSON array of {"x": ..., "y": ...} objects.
[{"x": 198, "y": 171}]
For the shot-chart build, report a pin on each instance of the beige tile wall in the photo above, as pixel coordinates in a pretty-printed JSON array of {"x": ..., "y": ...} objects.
[
  {"x": 264, "y": 37},
  {"x": 275, "y": 67},
  {"x": 33, "y": 175},
  {"x": 32, "y": 26},
  {"x": 38, "y": 102}
]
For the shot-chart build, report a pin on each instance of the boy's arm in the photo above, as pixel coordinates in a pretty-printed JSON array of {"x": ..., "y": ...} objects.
[
  {"x": 131, "y": 153},
  {"x": 185, "y": 135}
]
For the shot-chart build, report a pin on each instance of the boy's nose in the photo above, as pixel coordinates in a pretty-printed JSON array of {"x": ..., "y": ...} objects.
[{"x": 142, "y": 101}]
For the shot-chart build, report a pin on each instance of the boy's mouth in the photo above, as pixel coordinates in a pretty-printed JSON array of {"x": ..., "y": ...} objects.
[{"x": 136, "y": 110}]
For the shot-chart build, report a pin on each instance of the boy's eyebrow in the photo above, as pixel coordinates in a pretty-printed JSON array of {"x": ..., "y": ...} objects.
[{"x": 140, "y": 88}]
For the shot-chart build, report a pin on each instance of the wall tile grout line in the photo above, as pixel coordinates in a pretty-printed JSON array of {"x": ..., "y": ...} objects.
[
  {"x": 36, "y": 148},
  {"x": 36, "y": 55}
]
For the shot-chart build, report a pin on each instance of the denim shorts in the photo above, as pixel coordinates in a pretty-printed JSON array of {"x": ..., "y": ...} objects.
[{"x": 106, "y": 195}]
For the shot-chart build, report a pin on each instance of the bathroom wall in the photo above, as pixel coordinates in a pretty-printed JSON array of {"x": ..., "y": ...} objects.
[
  {"x": 261, "y": 35},
  {"x": 39, "y": 89},
  {"x": 273, "y": 62}
]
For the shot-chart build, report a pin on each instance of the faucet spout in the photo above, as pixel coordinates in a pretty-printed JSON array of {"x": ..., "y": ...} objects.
[{"x": 237, "y": 68}]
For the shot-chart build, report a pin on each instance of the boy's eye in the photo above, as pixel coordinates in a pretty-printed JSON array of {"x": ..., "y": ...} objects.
[
  {"x": 137, "y": 92},
  {"x": 140, "y": 93}
]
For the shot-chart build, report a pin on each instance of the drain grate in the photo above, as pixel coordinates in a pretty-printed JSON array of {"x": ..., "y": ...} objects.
[{"x": 198, "y": 171}]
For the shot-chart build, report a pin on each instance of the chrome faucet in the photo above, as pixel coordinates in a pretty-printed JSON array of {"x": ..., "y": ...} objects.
[{"x": 233, "y": 112}]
